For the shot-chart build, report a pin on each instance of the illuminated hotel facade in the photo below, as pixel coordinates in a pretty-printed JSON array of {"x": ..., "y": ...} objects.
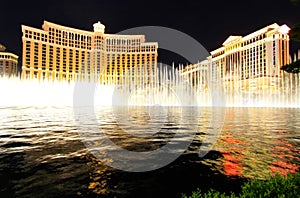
[
  {"x": 247, "y": 63},
  {"x": 8, "y": 63},
  {"x": 57, "y": 52}
]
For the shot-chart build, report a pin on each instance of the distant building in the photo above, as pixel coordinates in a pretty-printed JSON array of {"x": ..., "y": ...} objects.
[
  {"x": 249, "y": 62},
  {"x": 8, "y": 63},
  {"x": 62, "y": 53}
]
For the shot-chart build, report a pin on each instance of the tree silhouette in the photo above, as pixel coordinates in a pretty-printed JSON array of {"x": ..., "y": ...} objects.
[
  {"x": 293, "y": 67},
  {"x": 295, "y": 36},
  {"x": 295, "y": 32},
  {"x": 295, "y": 2}
]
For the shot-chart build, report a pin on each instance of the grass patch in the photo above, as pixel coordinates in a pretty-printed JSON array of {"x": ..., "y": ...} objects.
[{"x": 277, "y": 186}]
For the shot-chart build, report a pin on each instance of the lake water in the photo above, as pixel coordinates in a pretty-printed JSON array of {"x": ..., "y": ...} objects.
[{"x": 43, "y": 153}]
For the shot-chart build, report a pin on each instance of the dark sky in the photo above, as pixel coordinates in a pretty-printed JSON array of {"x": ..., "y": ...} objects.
[{"x": 209, "y": 22}]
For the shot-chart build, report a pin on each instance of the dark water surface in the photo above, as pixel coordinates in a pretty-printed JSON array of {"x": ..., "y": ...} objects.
[{"x": 43, "y": 155}]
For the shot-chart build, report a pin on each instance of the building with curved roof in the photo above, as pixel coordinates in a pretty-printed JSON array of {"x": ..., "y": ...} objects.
[{"x": 8, "y": 63}]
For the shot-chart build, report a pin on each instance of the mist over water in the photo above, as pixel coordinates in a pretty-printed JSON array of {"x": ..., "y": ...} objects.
[{"x": 168, "y": 87}]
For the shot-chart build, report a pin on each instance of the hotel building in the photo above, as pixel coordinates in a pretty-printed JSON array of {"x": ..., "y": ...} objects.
[
  {"x": 57, "y": 52},
  {"x": 8, "y": 63},
  {"x": 248, "y": 63}
]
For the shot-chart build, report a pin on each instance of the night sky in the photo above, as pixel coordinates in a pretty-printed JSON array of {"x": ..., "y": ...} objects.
[{"x": 209, "y": 22}]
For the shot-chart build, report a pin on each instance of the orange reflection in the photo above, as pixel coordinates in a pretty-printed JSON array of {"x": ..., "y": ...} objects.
[
  {"x": 254, "y": 144},
  {"x": 232, "y": 157},
  {"x": 99, "y": 176},
  {"x": 283, "y": 153}
]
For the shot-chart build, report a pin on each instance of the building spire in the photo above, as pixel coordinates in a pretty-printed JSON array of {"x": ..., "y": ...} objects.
[{"x": 99, "y": 27}]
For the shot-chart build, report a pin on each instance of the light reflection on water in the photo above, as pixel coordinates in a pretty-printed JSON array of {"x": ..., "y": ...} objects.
[
  {"x": 41, "y": 152},
  {"x": 256, "y": 142}
]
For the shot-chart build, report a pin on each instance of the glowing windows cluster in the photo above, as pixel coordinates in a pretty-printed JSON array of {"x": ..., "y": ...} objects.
[
  {"x": 63, "y": 53},
  {"x": 8, "y": 63},
  {"x": 255, "y": 58}
]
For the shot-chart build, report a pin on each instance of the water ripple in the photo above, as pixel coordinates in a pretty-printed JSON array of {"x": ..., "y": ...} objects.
[{"x": 42, "y": 153}]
